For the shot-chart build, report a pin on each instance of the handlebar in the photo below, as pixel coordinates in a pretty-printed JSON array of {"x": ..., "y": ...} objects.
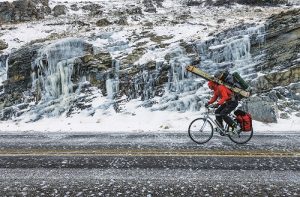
[
  {"x": 210, "y": 107},
  {"x": 210, "y": 110}
]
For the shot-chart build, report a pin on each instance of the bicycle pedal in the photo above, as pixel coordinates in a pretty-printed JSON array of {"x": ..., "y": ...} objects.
[{"x": 222, "y": 133}]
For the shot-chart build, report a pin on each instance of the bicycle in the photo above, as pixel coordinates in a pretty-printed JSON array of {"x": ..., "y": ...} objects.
[{"x": 201, "y": 129}]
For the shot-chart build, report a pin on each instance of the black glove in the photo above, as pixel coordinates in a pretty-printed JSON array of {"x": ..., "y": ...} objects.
[
  {"x": 195, "y": 62},
  {"x": 206, "y": 105},
  {"x": 216, "y": 105}
]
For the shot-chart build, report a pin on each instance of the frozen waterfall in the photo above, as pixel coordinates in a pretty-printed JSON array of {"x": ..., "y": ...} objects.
[
  {"x": 52, "y": 75},
  {"x": 54, "y": 68}
]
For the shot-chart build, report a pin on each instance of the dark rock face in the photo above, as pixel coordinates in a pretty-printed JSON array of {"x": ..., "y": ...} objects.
[
  {"x": 134, "y": 10},
  {"x": 6, "y": 12},
  {"x": 103, "y": 22},
  {"x": 194, "y": 3},
  {"x": 19, "y": 69},
  {"x": 143, "y": 81},
  {"x": 282, "y": 42},
  {"x": 158, "y": 3},
  {"x": 3, "y": 45},
  {"x": 18, "y": 80},
  {"x": 74, "y": 7},
  {"x": 23, "y": 10},
  {"x": 96, "y": 66},
  {"x": 280, "y": 63},
  {"x": 121, "y": 21},
  {"x": 43, "y": 2},
  {"x": 284, "y": 78},
  {"x": 149, "y": 6},
  {"x": 94, "y": 9},
  {"x": 59, "y": 10}
]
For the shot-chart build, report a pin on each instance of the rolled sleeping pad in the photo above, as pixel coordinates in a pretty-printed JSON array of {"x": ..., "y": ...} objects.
[{"x": 240, "y": 80}]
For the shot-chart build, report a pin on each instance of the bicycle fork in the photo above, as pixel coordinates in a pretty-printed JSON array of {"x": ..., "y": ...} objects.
[{"x": 203, "y": 126}]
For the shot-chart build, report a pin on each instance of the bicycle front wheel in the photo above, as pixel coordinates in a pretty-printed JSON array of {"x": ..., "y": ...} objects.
[
  {"x": 200, "y": 130},
  {"x": 241, "y": 137}
]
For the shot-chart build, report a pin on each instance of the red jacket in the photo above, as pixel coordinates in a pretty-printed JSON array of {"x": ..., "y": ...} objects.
[{"x": 220, "y": 91}]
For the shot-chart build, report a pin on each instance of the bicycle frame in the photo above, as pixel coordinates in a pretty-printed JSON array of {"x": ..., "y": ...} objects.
[{"x": 216, "y": 124}]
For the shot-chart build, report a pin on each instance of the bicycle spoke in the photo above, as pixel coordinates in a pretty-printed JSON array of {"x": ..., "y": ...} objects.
[
  {"x": 200, "y": 130},
  {"x": 241, "y": 137},
  {"x": 203, "y": 126}
]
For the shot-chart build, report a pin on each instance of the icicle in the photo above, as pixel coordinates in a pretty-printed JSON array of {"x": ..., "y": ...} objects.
[
  {"x": 54, "y": 67},
  {"x": 3, "y": 68},
  {"x": 117, "y": 74},
  {"x": 112, "y": 83},
  {"x": 111, "y": 88}
]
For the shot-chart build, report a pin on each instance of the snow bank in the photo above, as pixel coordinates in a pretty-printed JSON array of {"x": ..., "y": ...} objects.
[{"x": 141, "y": 120}]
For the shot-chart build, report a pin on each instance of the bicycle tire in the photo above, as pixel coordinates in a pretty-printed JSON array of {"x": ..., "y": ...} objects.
[
  {"x": 242, "y": 137},
  {"x": 200, "y": 128}
]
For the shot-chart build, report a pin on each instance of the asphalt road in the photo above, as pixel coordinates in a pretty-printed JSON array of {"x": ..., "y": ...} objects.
[{"x": 147, "y": 164}]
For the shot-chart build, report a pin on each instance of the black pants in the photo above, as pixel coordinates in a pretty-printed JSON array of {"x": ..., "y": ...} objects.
[{"x": 223, "y": 112}]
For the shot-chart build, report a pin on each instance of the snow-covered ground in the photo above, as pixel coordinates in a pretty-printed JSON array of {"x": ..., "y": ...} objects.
[{"x": 136, "y": 119}]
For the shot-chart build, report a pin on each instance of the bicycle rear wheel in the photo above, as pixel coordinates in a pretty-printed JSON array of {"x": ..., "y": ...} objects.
[
  {"x": 200, "y": 130},
  {"x": 241, "y": 137}
]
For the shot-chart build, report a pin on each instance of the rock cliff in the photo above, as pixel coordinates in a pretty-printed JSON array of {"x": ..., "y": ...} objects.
[
  {"x": 23, "y": 10},
  {"x": 48, "y": 70}
]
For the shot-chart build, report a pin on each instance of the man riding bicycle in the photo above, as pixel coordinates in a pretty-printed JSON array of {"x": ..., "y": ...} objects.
[{"x": 225, "y": 105}]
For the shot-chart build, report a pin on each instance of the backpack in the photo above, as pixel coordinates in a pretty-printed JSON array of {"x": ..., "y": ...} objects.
[
  {"x": 233, "y": 79},
  {"x": 244, "y": 119}
]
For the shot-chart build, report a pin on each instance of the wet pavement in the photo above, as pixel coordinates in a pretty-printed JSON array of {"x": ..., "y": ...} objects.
[{"x": 147, "y": 164}]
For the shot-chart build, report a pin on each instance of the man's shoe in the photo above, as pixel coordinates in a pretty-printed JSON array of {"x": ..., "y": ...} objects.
[
  {"x": 235, "y": 128},
  {"x": 220, "y": 131}
]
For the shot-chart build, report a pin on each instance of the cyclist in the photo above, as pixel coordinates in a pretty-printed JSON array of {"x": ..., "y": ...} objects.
[{"x": 226, "y": 104}]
